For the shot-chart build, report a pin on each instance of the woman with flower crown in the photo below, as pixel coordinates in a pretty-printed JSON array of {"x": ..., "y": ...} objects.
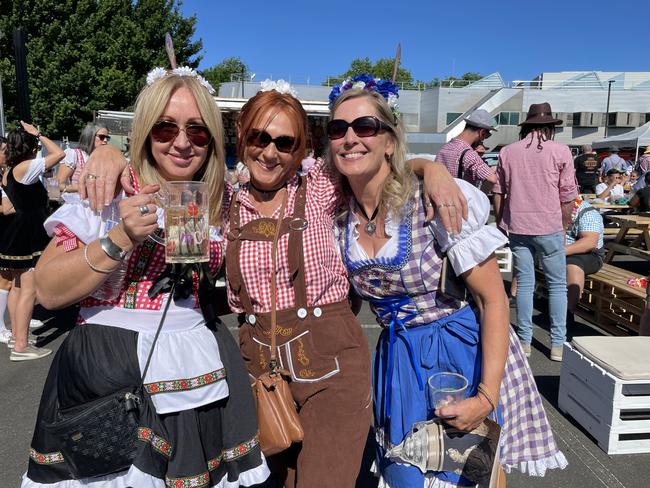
[
  {"x": 394, "y": 260},
  {"x": 196, "y": 424},
  {"x": 321, "y": 343}
]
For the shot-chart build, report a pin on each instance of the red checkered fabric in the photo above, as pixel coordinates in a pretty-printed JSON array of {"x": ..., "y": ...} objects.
[
  {"x": 64, "y": 237},
  {"x": 325, "y": 275}
]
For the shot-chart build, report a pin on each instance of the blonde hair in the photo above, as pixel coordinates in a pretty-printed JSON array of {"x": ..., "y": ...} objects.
[
  {"x": 150, "y": 104},
  {"x": 399, "y": 186}
]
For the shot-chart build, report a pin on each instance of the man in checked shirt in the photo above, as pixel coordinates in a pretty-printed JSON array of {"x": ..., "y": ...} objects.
[{"x": 462, "y": 160}]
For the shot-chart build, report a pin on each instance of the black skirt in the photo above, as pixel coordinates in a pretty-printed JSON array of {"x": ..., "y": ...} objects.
[{"x": 199, "y": 447}]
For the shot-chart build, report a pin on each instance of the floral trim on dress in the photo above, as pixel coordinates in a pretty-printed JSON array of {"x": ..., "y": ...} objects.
[
  {"x": 185, "y": 384},
  {"x": 197, "y": 481},
  {"x": 146, "y": 251},
  {"x": 233, "y": 453},
  {"x": 49, "y": 458},
  {"x": 159, "y": 444}
]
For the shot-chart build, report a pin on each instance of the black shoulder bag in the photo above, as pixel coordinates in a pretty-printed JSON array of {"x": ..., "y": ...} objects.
[{"x": 100, "y": 437}]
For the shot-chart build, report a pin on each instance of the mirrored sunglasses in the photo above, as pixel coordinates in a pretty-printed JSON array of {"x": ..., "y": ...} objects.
[
  {"x": 367, "y": 126},
  {"x": 261, "y": 139},
  {"x": 164, "y": 131}
]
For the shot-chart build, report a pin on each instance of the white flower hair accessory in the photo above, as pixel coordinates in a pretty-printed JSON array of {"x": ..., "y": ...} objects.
[
  {"x": 157, "y": 73},
  {"x": 279, "y": 86}
]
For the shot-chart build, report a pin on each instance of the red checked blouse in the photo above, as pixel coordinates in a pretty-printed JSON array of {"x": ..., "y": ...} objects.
[{"x": 325, "y": 275}]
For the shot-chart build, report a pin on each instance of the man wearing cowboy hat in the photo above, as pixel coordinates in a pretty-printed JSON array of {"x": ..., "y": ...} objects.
[
  {"x": 461, "y": 159},
  {"x": 538, "y": 177}
]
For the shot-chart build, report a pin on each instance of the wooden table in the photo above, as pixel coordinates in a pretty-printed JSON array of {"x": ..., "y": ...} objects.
[
  {"x": 639, "y": 246},
  {"x": 609, "y": 206}
]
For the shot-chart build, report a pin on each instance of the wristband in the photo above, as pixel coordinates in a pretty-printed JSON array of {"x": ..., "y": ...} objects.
[
  {"x": 483, "y": 390},
  {"x": 111, "y": 249},
  {"x": 92, "y": 266}
]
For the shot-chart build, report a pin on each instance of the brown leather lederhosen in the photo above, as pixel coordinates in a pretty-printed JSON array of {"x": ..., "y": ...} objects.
[{"x": 322, "y": 347}]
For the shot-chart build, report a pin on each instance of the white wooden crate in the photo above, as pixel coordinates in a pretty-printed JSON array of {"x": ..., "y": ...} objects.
[{"x": 615, "y": 412}]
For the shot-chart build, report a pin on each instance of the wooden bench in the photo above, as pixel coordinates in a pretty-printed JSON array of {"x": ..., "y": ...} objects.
[{"x": 607, "y": 300}]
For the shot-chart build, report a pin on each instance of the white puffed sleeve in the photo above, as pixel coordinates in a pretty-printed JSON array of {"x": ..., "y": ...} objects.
[
  {"x": 78, "y": 217},
  {"x": 476, "y": 240}
]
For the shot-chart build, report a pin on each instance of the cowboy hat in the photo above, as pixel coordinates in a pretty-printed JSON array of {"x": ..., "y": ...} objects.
[
  {"x": 540, "y": 114},
  {"x": 480, "y": 118}
]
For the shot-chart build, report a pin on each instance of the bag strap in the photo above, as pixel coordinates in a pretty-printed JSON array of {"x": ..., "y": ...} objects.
[
  {"x": 155, "y": 339},
  {"x": 459, "y": 174},
  {"x": 274, "y": 259}
]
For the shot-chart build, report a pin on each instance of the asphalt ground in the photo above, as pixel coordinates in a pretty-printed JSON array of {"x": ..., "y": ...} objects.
[{"x": 21, "y": 385}]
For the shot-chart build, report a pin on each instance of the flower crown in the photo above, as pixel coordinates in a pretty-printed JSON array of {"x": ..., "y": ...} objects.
[
  {"x": 157, "y": 73},
  {"x": 385, "y": 88},
  {"x": 279, "y": 86}
]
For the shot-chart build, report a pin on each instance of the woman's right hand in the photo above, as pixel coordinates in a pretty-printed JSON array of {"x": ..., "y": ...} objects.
[
  {"x": 138, "y": 225},
  {"x": 104, "y": 176}
]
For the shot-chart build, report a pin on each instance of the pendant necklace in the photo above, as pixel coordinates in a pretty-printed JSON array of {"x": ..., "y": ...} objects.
[{"x": 370, "y": 226}]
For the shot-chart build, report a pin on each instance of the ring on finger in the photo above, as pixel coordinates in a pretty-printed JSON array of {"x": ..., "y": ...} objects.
[
  {"x": 144, "y": 210},
  {"x": 91, "y": 176}
]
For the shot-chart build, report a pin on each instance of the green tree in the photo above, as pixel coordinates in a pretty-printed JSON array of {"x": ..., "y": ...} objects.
[
  {"x": 86, "y": 55},
  {"x": 224, "y": 71},
  {"x": 382, "y": 68}
]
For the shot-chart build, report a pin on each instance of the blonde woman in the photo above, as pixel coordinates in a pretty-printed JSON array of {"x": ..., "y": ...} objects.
[{"x": 197, "y": 423}]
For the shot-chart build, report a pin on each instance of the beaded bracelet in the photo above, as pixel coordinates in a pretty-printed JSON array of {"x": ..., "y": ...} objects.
[
  {"x": 483, "y": 390},
  {"x": 92, "y": 266}
]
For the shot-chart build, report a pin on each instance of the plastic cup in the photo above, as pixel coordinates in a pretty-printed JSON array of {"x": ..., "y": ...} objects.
[
  {"x": 446, "y": 389},
  {"x": 187, "y": 211},
  {"x": 53, "y": 190}
]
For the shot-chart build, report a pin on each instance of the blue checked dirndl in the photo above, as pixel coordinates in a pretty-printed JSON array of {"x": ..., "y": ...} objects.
[{"x": 527, "y": 441}]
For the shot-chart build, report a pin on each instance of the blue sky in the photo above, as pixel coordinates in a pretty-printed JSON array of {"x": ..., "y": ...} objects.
[{"x": 307, "y": 41}]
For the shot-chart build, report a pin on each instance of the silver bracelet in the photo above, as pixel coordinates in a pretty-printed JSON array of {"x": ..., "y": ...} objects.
[
  {"x": 111, "y": 249},
  {"x": 92, "y": 266}
]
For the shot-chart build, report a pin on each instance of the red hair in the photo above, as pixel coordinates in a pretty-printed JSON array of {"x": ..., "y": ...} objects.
[{"x": 265, "y": 105}]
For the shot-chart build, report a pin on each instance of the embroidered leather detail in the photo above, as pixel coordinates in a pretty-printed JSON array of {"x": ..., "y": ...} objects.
[
  {"x": 185, "y": 384},
  {"x": 146, "y": 251},
  {"x": 48, "y": 458},
  {"x": 263, "y": 363},
  {"x": 281, "y": 331},
  {"x": 145, "y": 434},
  {"x": 197, "y": 481},
  {"x": 264, "y": 228},
  {"x": 233, "y": 453},
  {"x": 300, "y": 353},
  {"x": 306, "y": 373}
]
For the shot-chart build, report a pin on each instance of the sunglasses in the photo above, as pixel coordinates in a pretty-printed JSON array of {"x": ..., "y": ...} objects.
[
  {"x": 103, "y": 137},
  {"x": 367, "y": 126},
  {"x": 198, "y": 135},
  {"x": 261, "y": 139}
]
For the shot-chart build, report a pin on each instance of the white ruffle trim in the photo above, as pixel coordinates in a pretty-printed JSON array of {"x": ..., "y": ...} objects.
[
  {"x": 475, "y": 248},
  {"x": 136, "y": 478},
  {"x": 430, "y": 481},
  {"x": 539, "y": 467}
]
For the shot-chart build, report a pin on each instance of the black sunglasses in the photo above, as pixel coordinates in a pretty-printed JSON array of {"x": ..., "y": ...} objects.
[
  {"x": 104, "y": 137},
  {"x": 165, "y": 131},
  {"x": 261, "y": 139},
  {"x": 367, "y": 126}
]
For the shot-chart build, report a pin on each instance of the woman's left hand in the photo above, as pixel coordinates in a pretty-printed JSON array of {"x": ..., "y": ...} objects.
[
  {"x": 441, "y": 190},
  {"x": 29, "y": 128},
  {"x": 467, "y": 414}
]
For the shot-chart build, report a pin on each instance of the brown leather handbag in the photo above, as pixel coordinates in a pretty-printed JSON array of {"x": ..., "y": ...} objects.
[{"x": 277, "y": 416}]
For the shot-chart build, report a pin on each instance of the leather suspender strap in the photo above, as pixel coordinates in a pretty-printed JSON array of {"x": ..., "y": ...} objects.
[
  {"x": 274, "y": 270},
  {"x": 295, "y": 246},
  {"x": 461, "y": 160}
]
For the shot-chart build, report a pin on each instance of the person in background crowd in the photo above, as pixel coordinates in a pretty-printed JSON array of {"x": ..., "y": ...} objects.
[
  {"x": 93, "y": 135},
  {"x": 240, "y": 176},
  {"x": 23, "y": 242},
  {"x": 643, "y": 164},
  {"x": 533, "y": 200},
  {"x": 461, "y": 160},
  {"x": 614, "y": 161},
  {"x": 641, "y": 199},
  {"x": 587, "y": 170},
  {"x": 611, "y": 189},
  {"x": 6, "y": 221},
  {"x": 584, "y": 250},
  {"x": 197, "y": 423},
  {"x": 632, "y": 180}
]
